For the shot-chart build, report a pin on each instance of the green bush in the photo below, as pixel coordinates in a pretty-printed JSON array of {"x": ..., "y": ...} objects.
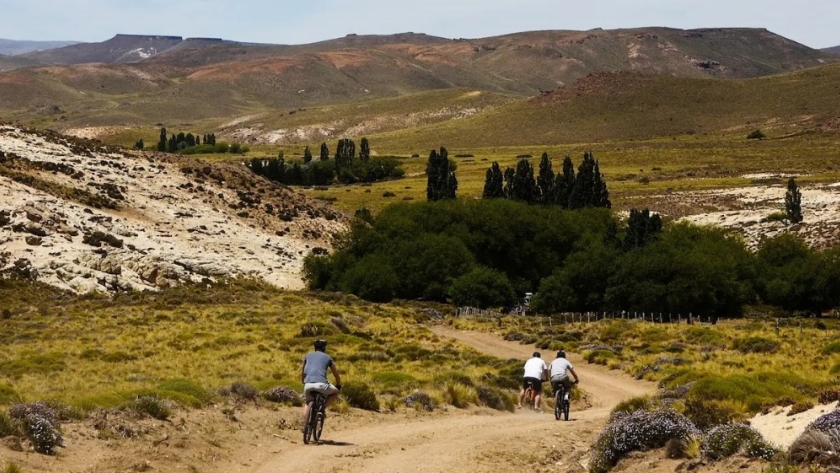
[
  {"x": 755, "y": 345},
  {"x": 118, "y": 357},
  {"x": 726, "y": 440},
  {"x": 395, "y": 382},
  {"x": 705, "y": 336},
  {"x": 707, "y": 414},
  {"x": 599, "y": 357},
  {"x": 459, "y": 395},
  {"x": 634, "y": 404},
  {"x": 419, "y": 400},
  {"x": 495, "y": 398},
  {"x": 34, "y": 364},
  {"x": 831, "y": 348},
  {"x": 12, "y": 468},
  {"x": 151, "y": 406},
  {"x": 754, "y": 390},
  {"x": 756, "y": 135},
  {"x": 7, "y": 426},
  {"x": 483, "y": 287},
  {"x": 360, "y": 395}
]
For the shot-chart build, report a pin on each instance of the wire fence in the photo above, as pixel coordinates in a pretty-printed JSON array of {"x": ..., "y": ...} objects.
[{"x": 585, "y": 317}]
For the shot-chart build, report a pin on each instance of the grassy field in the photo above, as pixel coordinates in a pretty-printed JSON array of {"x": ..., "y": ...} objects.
[
  {"x": 91, "y": 352},
  {"x": 738, "y": 366}
]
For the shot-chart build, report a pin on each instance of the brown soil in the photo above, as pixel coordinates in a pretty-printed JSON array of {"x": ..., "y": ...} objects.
[{"x": 260, "y": 440}]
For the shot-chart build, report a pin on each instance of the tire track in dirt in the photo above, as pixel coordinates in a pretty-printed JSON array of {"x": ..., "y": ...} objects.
[{"x": 477, "y": 440}]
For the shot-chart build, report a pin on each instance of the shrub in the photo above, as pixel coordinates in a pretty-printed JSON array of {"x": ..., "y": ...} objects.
[
  {"x": 726, "y": 440},
  {"x": 283, "y": 395},
  {"x": 420, "y": 400},
  {"x": 756, "y": 135},
  {"x": 241, "y": 391},
  {"x": 826, "y": 422},
  {"x": 458, "y": 395},
  {"x": 831, "y": 348},
  {"x": 815, "y": 446},
  {"x": 35, "y": 364},
  {"x": 755, "y": 345},
  {"x": 40, "y": 424},
  {"x": 828, "y": 396},
  {"x": 151, "y": 406},
  {"x": 454, "y": 377},
  {"x": 599, "y": 357},
  {"x": 495, "y": 398},
  {"x": 706, "y": 414},
  {"x": 640, "y": 430},
  {"x": 705, "y": 336},
  {"x": 393, "y": 380},
  {"x": 360, "y": 395},
  {"x": 12, "y": 468},
  {"x": 634, "y": 404},
  {"x": 7, "y": 426},
  {"x": 800, "y": 407}
]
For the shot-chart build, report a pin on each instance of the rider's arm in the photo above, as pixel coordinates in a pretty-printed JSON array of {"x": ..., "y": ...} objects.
[
  {"x": 335, "y": 374},
  {"x": 302, "y": 372},
  {"x": 572, "y": 370}
]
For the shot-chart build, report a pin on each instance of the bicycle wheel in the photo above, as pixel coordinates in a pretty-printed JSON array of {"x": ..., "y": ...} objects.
[
  {"x": 558, "y": 404},
  {"x": 309, "y": 427},
  {"x": 565, "y": 409},
  {"x": 319, "y": 419}
]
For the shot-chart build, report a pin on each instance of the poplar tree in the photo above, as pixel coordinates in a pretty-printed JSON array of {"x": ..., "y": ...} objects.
[
  {"x": 793, "y": 202},
  {"x": 545, "y": 181}
]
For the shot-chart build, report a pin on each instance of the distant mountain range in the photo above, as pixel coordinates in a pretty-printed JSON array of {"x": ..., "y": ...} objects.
[
  {"x": 833, "y": 50},
  {"x": 11, "y": 47},
  {"x": 148, "y": 79}
]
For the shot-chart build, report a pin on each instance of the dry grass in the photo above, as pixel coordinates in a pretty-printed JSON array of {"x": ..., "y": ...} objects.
[{"x": 99, "y": 352}]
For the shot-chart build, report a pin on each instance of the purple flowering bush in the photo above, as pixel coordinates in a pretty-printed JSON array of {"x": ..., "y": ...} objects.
[
  {"x": 420, "y": 401},
  {"x": 639, "y": 430},
  {"x": 726, "y": 440},
  {"x": 826, "y": 422},
  {"x": 40, "y": 424}
]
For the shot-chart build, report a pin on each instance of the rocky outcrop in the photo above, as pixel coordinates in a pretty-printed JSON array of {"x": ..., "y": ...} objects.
[{"x": 174, "y": 220}]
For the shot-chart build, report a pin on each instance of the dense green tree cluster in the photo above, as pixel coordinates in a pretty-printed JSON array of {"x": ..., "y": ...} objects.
[
  {"x": 194, "y": 144},
  {"x": 489, "y": 252},
  {"x": 566, "y": 189},
  {"x": 441, "y": 182},
  {"x": 323, "y": 173}
]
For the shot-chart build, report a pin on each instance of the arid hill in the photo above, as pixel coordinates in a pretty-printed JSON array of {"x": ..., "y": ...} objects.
[
  {"x": 86, "y": 218},
  {"x": 119, "y": 49},
  {"x": 13, "y": 47},
  {"x": 201, "y": 78},
  {"x": 8, "y": 63},
  {"x": 832, "y": 50}
]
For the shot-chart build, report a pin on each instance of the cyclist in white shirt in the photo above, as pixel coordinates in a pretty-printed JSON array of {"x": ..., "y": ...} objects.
[
  {"x": 558, "y": 370},
  {"x": 535, "y": 372}
]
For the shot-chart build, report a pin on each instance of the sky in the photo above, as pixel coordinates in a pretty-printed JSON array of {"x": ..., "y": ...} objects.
[{"x": 810, "y": 22}]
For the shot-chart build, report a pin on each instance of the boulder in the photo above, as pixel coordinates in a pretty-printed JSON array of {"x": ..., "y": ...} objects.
[{"x": 33, "y": 240}]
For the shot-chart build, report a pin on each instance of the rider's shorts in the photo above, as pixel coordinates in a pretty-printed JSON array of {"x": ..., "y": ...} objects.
[
  {"x": 557, "y": 381},
  {"x": 537, "y": 383},
  {"x": 309, "y": 390}
]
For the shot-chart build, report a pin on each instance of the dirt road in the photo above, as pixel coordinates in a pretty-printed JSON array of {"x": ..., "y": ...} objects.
[{"x": 477, "y": 440}]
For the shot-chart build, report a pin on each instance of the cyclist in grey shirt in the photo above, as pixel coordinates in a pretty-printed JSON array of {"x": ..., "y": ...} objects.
[{"x": 313, "y": 375}]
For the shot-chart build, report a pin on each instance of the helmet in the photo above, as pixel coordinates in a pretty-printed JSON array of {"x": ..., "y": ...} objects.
[
  {"x": 320, "y": 344},
  {"x": 561, "y": 354},
  {"x": 537, "y": 354}
]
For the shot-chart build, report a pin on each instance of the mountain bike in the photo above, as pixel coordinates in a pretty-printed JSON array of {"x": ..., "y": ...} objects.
[
  {"x": 561, "y": 402},
  {"x": 530, "y": 394},
  {"x": 315, "y": 422}
]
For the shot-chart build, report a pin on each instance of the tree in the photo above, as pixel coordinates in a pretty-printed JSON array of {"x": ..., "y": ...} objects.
[
  {"x": 522, "y": 185},
  {"x": 440, "y": 173},
  {"x": 564, "y": 183},
  {"x": 307, "y": 155},
  {"x": 345, "y": 152},
  {"x": 546, "y": 181},
  {"x": 325, "y": 152},
  {"x": 162, "y": 143},
  {"x": 482, "y": 288},
  {"x": 601, "y": 197},
  {"x": 190, "y": 139},
  {"x": 642, "y": 228},
  {"x": 173, "y": 144},
  {"x": 793, "y": 202},
  {"x": 494, "y": 182},
  {"x": 139, "y": 144},
  {"x": 584, "y": 189},
  {"x": 364, "y": 150}
]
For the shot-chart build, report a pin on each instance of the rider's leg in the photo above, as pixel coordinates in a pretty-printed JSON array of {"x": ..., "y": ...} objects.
[
  {"x": 537, "y": 399},
  {"x": 521, "y": 397},
  {"x": 332, "y": 398},
  {"x": 305, "y": 411}
]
